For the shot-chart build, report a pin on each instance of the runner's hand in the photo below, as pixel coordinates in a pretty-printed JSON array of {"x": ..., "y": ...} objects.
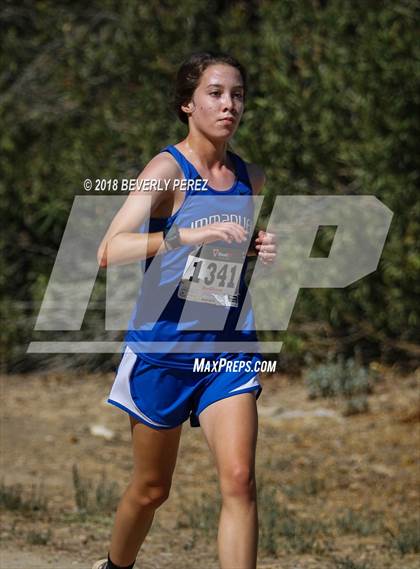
[
  {"x": 227, "y": 231},
  {"x": 266, "y": 246}
]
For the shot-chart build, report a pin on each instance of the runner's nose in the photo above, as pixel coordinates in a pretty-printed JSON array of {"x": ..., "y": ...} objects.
[{"x": 228, "y": 103}]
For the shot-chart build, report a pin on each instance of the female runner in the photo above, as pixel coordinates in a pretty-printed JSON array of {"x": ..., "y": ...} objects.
[{"x": 194, "y": 249}]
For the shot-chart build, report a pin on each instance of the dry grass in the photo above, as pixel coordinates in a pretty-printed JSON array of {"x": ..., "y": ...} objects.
[{"x": 336, "y": 491}]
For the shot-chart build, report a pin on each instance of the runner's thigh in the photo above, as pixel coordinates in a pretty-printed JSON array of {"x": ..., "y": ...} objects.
[
  {"x": 154, "y": 452},
  {"x": 230, "y": 427}
]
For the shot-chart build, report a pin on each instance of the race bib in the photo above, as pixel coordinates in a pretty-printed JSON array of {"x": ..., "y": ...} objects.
[{"x": 212, "y": 275}]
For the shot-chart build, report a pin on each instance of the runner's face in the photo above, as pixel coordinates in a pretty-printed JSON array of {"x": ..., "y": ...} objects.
[{"x": 218, "y": 101}]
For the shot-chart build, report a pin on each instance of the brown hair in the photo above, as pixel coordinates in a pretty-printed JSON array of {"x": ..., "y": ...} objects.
[{"x": 190, "y": 72}]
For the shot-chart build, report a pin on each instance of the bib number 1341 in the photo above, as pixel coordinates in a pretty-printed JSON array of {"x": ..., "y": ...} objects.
[
  {"x": 212, "y": 275},
  {"x": 215, "y": 272}
]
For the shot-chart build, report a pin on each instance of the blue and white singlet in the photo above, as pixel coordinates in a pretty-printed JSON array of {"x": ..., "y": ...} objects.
[{"x": 196, "y": 294}]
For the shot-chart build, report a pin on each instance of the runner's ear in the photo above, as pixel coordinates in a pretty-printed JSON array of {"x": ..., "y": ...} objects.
[{"x": 188, "y": 108}]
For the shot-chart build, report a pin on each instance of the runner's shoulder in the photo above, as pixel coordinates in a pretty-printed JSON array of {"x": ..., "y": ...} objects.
[
  {"x": 163, "y": 166},
  {"x": 256, "y": 175}
]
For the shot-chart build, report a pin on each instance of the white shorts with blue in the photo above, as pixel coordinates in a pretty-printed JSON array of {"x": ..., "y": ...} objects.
[{"x": 165, "y": 397}]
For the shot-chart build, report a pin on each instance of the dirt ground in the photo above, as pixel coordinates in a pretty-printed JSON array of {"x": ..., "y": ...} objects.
[{"x": 335, "y": 491}]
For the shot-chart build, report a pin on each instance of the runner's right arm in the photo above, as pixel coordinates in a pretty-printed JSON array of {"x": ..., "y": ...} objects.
[{"x": 123, "y": 244}]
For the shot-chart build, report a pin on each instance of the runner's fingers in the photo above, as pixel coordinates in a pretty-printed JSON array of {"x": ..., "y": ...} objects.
[
  {"x": 237, "y": 233},
  {"x": 268, "y": 248},
  {"x": 229, "y": 231},
  {"x": 269, "y": 240},
  {"x": 267, "y": 257},
  {"x": 229, "y": 235},
  {"x": 266, "y": 238},
  {"x": 237, "y": 226},
  {"x": 225, "y": 235}
]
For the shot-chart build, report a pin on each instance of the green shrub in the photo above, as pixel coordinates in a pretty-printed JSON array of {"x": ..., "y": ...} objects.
[
  {"x": 333, "y": 95},
  {"x": 338, "y": 379},
  {"x": 93, "y": 499},
  {"x": 14, "y": 497}
]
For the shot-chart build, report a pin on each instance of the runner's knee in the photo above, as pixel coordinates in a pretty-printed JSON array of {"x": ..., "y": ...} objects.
[
  {"x": 149, "y": 494},
  {"x": 238, "y": 482}
]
